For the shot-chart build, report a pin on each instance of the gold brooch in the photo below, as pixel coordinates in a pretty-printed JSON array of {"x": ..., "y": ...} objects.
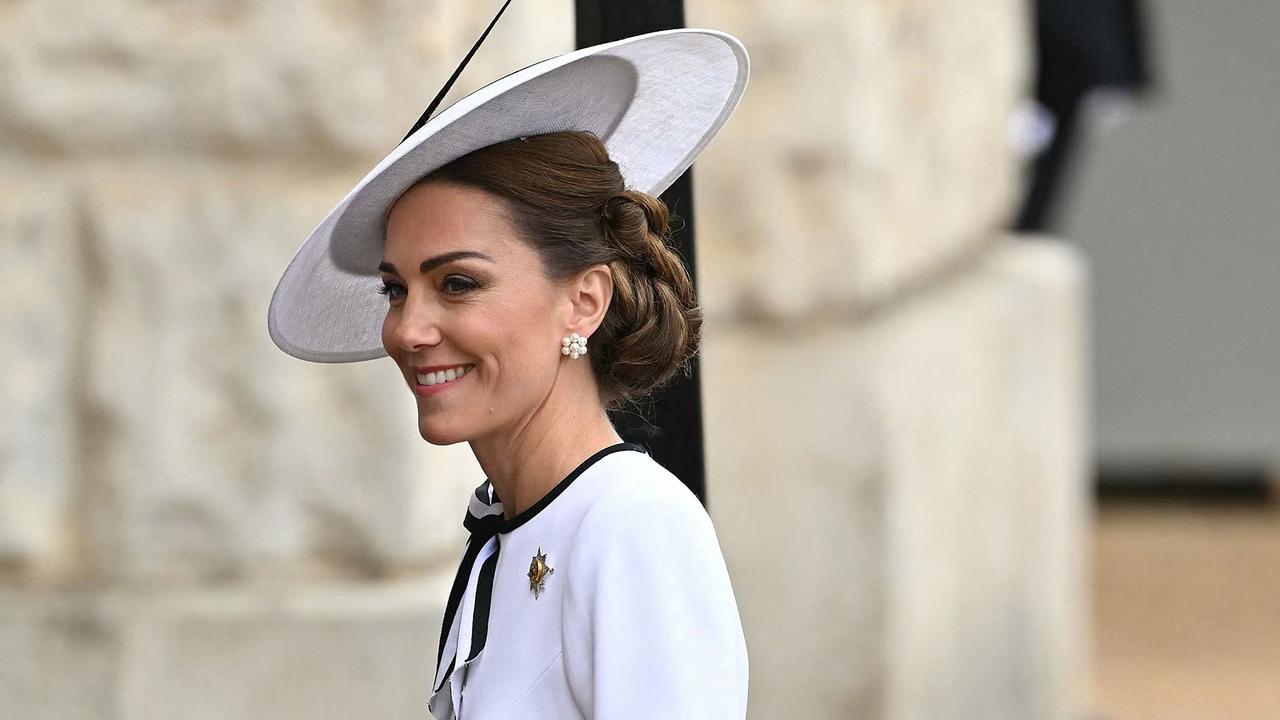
[{"x": 538, "y": 572}]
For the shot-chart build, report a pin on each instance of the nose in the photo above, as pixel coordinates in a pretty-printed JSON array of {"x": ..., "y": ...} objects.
[{"x": 411, "y": 327}]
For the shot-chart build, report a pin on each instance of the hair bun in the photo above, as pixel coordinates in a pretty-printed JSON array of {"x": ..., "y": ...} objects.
[
  {"x": 657, "y": 325},
  {"x": 638, "y": 224},
  {"x": 634, "y": 212}
]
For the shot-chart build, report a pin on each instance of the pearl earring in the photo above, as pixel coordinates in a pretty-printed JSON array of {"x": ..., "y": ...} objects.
[{"x": 573, "y": 346}]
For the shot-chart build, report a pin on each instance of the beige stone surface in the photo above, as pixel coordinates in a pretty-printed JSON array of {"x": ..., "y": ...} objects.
[
  {"x": 61, "y": 657},
  {"x": 315, "y": 82},
  {"x": 313, "y": 651},
  {"x": 905, "y": 542},
  {"x": 42, "y": 315},
  {"x": 989, "y": 509},
  {"x": 869, "y": 153}
]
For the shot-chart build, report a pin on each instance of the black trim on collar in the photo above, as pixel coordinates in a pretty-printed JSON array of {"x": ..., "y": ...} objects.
[
  {"x": 484, "y": 599},
  {"x": 460, "y": 579},
  {"x": 534, "y": 509}
]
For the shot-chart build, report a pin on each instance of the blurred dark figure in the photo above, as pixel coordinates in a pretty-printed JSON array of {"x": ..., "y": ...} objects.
[{"x": 1082, "y": 46}]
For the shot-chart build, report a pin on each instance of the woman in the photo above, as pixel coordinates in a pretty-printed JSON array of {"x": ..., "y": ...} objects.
[{"x": 592, "y": 585}]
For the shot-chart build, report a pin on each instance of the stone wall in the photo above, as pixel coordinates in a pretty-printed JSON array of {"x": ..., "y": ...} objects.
[
  {"x": 907, "y": 543},
  {"x": 194, "y": 525},
  {"x": 869, "y": 154},
  {"x": 895, "y": 387}
]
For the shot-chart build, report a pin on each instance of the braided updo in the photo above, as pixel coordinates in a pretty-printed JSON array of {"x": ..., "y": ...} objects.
[{"x": 568, "y": 200}]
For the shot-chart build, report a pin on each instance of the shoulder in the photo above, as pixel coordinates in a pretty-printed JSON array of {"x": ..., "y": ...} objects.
[
  {"x": 639, "y": 516},
  {"x": 652, "y": 626},
  {"x": 635, "y": 495}
]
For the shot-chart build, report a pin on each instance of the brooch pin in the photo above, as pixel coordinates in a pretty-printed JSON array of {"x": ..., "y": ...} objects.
[{"x": 538, "y": 572}]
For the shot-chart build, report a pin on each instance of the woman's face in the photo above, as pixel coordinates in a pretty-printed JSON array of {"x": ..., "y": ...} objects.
[{"x": 464, "y": 292}]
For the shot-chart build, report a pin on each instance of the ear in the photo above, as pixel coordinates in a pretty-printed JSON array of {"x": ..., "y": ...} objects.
[{"x": 589, "y": 294}]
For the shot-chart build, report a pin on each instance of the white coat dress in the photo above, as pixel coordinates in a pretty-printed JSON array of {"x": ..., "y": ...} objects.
[{"x": 607, "y": 600}]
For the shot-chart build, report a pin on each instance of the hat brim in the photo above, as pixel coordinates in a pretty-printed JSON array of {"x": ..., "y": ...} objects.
[{"x": 655, "y": 100}]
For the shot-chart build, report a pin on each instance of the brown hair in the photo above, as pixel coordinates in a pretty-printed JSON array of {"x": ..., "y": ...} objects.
[{"x": 570, "y": 203}]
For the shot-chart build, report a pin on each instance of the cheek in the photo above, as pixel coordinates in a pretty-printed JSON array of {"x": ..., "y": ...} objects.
[
  {"x": 513, "y": 358},
  {"x": 527, "y": 354}
]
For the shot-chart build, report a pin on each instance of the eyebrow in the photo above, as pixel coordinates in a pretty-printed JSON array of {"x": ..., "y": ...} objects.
[{"x": 432, "y": 263}]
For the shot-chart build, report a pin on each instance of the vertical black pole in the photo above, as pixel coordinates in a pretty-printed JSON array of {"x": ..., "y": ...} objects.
[{"x": 673, "y": 432}]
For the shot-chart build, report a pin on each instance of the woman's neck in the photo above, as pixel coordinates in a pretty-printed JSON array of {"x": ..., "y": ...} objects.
[{"x": 525, "y": 462}]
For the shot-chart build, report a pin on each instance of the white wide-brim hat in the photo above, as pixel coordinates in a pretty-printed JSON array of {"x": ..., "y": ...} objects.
[{"x": 655, "y": 100}]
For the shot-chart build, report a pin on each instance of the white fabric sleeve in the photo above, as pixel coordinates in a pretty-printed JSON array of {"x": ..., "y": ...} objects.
[{"x": 651, "y": 625}]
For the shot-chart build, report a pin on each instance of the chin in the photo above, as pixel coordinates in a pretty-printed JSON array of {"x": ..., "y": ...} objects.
[{"x": 438, "y": 434}]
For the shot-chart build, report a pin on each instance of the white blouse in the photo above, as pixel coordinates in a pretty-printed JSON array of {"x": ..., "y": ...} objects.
[{"x": 608, "y": 599}]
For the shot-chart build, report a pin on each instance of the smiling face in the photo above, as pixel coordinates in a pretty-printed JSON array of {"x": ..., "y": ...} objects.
[{"x": 464, "y": 291}]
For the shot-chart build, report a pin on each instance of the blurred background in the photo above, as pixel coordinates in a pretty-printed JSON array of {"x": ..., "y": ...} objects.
[{"x": 991, "y": 393}]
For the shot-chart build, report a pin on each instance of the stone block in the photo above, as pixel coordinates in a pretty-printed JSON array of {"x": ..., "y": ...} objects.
[
  {"x": 59, "y": 657},
  {"x": 302, "y": 651},
  {"x": 869, "y": 153},
  {"x": 366, "y": 651},
  {"x": 903, "y": 500}
]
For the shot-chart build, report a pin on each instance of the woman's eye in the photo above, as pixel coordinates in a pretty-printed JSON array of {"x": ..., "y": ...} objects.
[
  {"x": 457, "y": 285},
  {"x": 392, "y": 289},
  {"x": 453, "y": 285}
]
